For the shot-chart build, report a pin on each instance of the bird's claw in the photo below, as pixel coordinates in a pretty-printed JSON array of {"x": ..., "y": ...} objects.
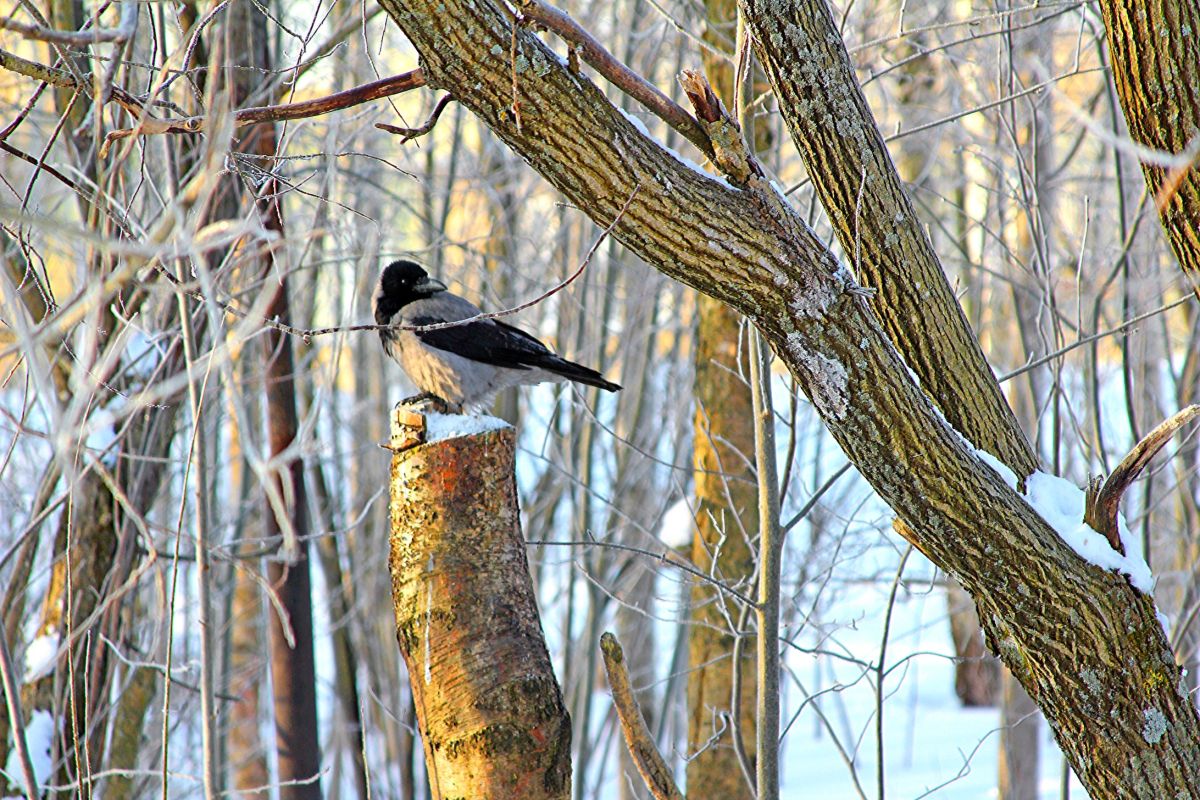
[{"x": 432, "y": 400}]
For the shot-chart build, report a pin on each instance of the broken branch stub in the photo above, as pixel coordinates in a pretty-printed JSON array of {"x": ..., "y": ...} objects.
[
  {"x": 1104, "y": 500},
  {"x": 649, "y": 761}
]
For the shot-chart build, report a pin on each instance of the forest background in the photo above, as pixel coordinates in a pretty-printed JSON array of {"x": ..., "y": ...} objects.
[{"x": 175, "y": 460}]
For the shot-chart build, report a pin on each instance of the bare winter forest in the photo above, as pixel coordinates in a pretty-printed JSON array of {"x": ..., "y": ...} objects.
[{"x": 901, "y": 497}]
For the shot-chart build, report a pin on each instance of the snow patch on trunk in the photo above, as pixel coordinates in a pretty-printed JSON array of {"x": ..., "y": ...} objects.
[
  {"x": 452, "y": 426},
  {"x": 1061, "y": 504}
]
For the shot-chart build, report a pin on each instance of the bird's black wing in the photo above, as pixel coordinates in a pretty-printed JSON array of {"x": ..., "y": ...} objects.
[{"x": 487, "y": 341}]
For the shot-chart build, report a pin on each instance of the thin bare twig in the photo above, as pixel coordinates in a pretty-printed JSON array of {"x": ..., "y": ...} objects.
[
  {"x": 12, "y": 697},
  {"x": 665, "y": 557},
  {"x": 1094, "y": 337},
  {"x": 409, "y": 134},
  {"x": 307, "y": 334}
]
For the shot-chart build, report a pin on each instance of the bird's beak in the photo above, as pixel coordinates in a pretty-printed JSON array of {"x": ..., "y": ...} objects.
[{"x": 428, "y": 285}]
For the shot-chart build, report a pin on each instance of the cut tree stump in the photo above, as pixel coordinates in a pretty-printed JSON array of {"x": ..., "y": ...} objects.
[{"x": 489, "y": 708}]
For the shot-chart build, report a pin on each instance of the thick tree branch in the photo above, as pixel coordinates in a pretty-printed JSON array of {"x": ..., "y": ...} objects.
[
  {"x": 831, "y": 125},
  {"x": 64, "y": 80},
  {"x": 1154, "y": 54}
]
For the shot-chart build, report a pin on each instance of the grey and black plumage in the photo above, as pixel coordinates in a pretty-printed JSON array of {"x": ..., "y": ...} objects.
[{"x": 463, "y": 365}]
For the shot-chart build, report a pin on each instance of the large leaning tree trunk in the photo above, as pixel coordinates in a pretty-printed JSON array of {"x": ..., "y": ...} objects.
[
  {"x": 1081, "y": 639},
  {"x": 489, "y": 708},
  {"x": 1154, "y": 51}
]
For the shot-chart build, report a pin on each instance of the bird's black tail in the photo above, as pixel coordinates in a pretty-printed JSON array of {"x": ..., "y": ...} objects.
[{"x": 578, "y": 373}]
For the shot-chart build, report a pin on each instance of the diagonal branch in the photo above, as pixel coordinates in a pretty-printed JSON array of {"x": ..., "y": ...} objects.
[
  {"x": 348, "y": 98},
  {"x": 649, "y": 761},
  {"x": 806, "y": 61},
  {"x": 616, "y": 72}
]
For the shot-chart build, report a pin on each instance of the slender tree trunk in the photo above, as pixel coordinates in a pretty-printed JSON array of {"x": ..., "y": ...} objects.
[
  {"x": 726, "y": 510},
  {"x": 245, "y": 43},
  {"x": 726, "y": 528},
  {"x": 489, "y": 708},
  {"x": 293, "y": 669}
]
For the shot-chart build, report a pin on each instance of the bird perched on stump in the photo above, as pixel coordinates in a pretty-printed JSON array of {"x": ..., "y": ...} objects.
[{"x": 461, "y": 365}]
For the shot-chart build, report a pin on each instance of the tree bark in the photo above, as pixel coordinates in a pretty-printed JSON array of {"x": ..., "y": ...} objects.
[
  {"x": 833, "y": 129},
  {"x": 726, "y": 511},
  {"x": 1154, "y": 53},
  {"x": 726, "y": 527},
  {"x": 1084, "y": 643},
  {"x": 293, "y": 665},
  {"x": 489, "y": 708}
]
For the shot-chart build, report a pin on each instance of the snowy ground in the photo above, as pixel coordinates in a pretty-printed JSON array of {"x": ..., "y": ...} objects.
[{"x": 933, "y": 747}]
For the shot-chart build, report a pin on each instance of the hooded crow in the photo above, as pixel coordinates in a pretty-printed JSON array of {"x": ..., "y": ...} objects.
[{"x": 461, "y": 365}]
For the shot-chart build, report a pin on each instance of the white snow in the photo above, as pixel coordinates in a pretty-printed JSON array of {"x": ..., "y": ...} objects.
[
  {"x": 1006, "y": 474},
  {"x": 1061, "y": 504},
  {"x": 678, "y": 523},
  {"x": 40, "y": 657},
  {"x": 682, "y": 159},
  {"x": 451, "y": 426},
  {"x": 39, "y": 734}
]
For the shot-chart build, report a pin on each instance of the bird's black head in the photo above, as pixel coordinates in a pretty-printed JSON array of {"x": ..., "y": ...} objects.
[{"x": 401, "y": 283}]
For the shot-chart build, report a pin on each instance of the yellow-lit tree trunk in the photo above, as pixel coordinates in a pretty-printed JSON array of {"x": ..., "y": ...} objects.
[
  {"x": 726, "y": 526},
  {"x": 726, "y": 509},
  {"x": 489, "y": 709}
]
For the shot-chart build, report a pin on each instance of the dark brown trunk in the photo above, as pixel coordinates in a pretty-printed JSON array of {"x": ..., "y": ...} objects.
[{"x": 293, "y": 670}]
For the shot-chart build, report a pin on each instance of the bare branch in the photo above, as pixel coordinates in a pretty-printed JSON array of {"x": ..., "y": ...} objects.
[
  {"x": 617, "y": 73},
  {"x": 83, "y": 38},
  {"x": 409, "y": 134},
  {"x": 649, "y": 761},
  {"x": 63, "y": 79},
  {"x": 385, "y": 87}
]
